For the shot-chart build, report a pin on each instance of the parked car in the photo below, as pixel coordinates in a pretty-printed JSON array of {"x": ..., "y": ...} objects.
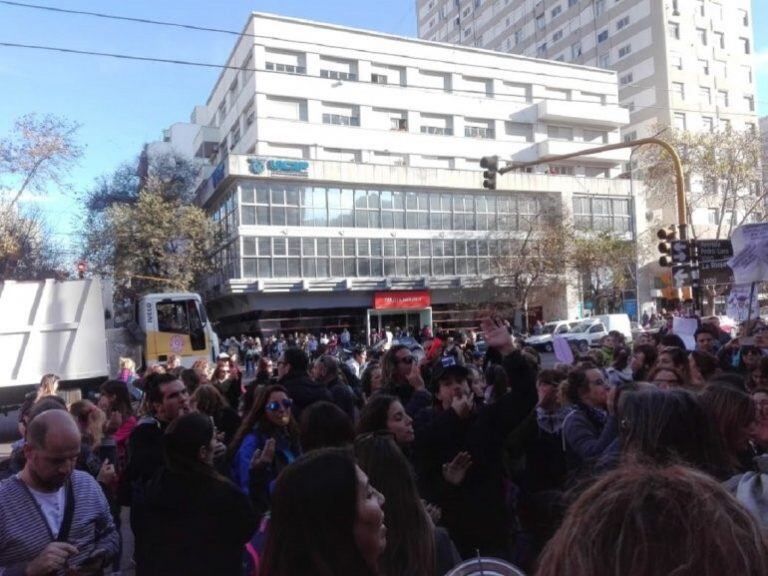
[
  {"x": 543, "y": 342},
  {"x": 591, "y": 331}
]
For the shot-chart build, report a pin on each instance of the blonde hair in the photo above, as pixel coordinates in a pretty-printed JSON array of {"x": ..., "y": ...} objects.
[
  {"x": 91, "y": 421},
  {"x": 127, "y": 364},
  {"x": 48, "y": 386}
]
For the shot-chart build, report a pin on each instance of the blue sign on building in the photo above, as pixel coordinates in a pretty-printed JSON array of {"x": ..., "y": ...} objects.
[{"x": 292, "y": 167}]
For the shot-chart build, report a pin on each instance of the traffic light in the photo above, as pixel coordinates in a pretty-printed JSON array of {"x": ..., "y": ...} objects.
[
  {"x": 491, "y": 165},
  {"x": 667, "y": 236},
  {"x": 81, "y": 269}
]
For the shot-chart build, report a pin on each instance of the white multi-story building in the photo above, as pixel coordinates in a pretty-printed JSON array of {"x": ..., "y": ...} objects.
[
  {"x": 681, "y": 63},
  {"x": 764, "y": 139},
  {"x": 343, "y": 163}
]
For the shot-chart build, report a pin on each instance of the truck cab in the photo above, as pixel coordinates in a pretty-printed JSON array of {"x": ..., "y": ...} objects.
[{"x": 175, "y": 323}]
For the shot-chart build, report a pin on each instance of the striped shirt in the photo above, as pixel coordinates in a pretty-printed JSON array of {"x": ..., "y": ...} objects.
[{"x": 24, "y": 532}]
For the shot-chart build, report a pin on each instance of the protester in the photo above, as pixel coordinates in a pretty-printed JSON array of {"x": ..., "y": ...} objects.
[
  {"x": 226, "y": 381},
  {"x": 588, "y": 429},
  {"x": 667, "y": 378},
  {"x": 209, "y": 401},
  {"x": 415, "y": 547},
  {"x": 402, "y": 378},
  {"x": 49, "y": 385},
  {"x": 326, "y": 370},
  {"x": 196, "y": 521},
  {"x": 327, "y": 519},
  {"x": 734, "y": 415},
  {"x": 385, "y": 412},
  {"x": 372, "y": 379},
  {"x": 325, "y": 425},
  {"x": 292, "y": 375},
  {"x": 266, "y": 442},
  {"x": 615, "y": 528},
  {"x": 643, "y": 358},
  {"x": 54, "y": 518}
]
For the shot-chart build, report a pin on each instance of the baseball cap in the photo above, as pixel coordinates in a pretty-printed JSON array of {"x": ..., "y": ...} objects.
[{"x": 447, "y": 366}]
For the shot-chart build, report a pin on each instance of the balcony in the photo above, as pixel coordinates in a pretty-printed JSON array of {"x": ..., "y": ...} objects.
[
  {"x": 399, "y": 124},
  {"x": 287, "y": 68},
  {"x": 557, "y": 147},
  {"x": 437, "y": 130},
  {"x": 479, "y": 132},
  {"x": 206, "y": 142},
  {"x": 594, "y": 114}
]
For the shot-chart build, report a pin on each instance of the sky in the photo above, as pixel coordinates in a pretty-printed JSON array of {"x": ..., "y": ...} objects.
[{"x": 121, "y": 104}]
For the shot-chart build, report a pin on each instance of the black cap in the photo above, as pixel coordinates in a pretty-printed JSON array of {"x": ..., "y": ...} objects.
[{"x": 445, "y": 369}]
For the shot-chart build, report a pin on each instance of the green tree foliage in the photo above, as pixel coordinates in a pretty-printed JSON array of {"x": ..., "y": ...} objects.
[
  {"x": 26, "y": 249},
  {"x": 145, "y": 232}
]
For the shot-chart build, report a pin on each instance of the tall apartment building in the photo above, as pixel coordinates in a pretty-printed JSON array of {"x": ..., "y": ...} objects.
[
  {"x": 342, "y": 173},
  {"x": 681, "y": 63},
  {"x": 764, "y": 139}
]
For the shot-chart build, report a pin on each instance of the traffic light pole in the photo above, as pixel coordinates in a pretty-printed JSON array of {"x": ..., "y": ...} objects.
[{"x": 682, "y": 211}]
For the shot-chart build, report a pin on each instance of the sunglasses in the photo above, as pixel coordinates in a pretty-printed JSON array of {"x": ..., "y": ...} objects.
[{"x": 275, "y": 406}]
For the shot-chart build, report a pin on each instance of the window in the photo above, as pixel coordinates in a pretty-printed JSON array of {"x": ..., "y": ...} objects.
[
  {"x": 700, "y": 7},
  {"x": 599, "y": 7},
  {"x": 540, "y": 22},
  {"x": 673, "y": 30},
  {"x": 338, "y": 75},
  {"x": 678, "y": 89},
  {"x": 560, "y": 170},
  {"x": 625, "y": 50},
  {"x": 557, "y": 36},
  {"x": 622, "y": 23},
  {"x": 749, "y": 103},
  {"x": 378, "y": 79},
  {"x": 541, "y": 49},
  {"x": 745, "y": 45},
  {"x": 604, "y": 60},
  {"x": 576, "y": 50},
  {"x": 746, "y": 74},
  {"x": 744, "y": 17},
  {"x": 713, "y": 216},
  {"x": 629, "y": 106},
  {"x": 701, "y": 34},
  {"x": 595, "y": 136},
  {"x": 725, "y": 125},
  {"x": 602, "y": 214},
  {"x": 704, "y": 67},
  {"x": 629, "y": 136},
  {"x": 602, "y": 36},
  {"x": 341, "y": 120},
  {"x": 705, "y": 94},
  {"x": 479, "y": 132},
  {"x": 518, "y": 36},
  {"x": 287, "y": 68},
  {"x": 720, "y": 40},
  {"x": 518, "y": 132},
  {"x": 560, "y": 133},
  {"x": 556, "y": 11},
  {"x": 707, "y": 124},
  {"x": 678, "y": 121},
  {"x": 722, "y": 98},
  {"x": 572, "y": 3},
  {"x": 676, "y": 61},
  {"x": 626, "y": 79}
]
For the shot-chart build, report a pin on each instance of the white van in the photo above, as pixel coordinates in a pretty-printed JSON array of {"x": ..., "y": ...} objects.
[
  {"x": 591, "y": 331},
  {"x": 543, "y": 341}
]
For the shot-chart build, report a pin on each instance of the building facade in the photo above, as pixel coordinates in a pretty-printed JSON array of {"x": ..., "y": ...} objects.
[
  {"x": 681, "y": 63},
  {"x": 341, "y": 165}
]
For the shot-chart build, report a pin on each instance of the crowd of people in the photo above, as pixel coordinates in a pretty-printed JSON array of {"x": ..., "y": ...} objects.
[{"x": 286, "y": 458}]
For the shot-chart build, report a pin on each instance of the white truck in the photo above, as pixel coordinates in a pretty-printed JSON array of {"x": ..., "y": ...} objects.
[
  {"x": 59, "y": 327},
  {"x": 592, "y": 330}
]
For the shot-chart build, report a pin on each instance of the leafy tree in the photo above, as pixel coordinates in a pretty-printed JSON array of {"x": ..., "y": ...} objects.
[
  {"x": 26, "y": 249},
  {"x": 40, "y": 151},
  {"x": 143, "y": 230},
  {"x": 605, "y": 265}
]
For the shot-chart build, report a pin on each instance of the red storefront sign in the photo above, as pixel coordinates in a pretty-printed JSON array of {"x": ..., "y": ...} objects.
[{"x": 401, "y": 300}]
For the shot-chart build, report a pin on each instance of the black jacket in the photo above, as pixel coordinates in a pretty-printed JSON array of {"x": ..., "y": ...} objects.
[
  {"x": 194, "y": 525},
  {"x": 343, "y": 396},
  {"x": 303, "y": 391},
  {"x": 473, "y": 512}
]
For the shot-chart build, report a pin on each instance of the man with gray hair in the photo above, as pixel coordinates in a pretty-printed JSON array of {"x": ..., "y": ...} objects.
[{"x": 54, "y": 518}]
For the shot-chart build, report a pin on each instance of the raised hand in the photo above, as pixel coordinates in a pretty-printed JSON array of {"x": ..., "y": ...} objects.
[
  {"x": 265, "y": 457},
  {"x": 496, "y": 334},
  {"x": 455, "y": 471}
]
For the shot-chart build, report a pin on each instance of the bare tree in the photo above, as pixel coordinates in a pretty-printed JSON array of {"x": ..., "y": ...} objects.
[
  {"x": 26, "y": 249},
  {"x": 40, "y": 151}
]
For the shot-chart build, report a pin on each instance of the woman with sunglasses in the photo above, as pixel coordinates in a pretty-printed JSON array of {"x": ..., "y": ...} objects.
[{"x": 266, "y": 442}]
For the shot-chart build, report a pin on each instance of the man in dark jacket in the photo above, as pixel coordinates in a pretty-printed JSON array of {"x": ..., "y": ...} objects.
[
  {"x": 292, "y": 374},
  {"x": 453, "y": 433},
  {"x": 326, "y": 370}
]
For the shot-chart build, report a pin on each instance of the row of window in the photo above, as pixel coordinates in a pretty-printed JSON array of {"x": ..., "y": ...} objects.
[
  {"x": 703, "y": 37},
  {"x": 315, "y": 206},
  {"x": 275, "y": 257}
]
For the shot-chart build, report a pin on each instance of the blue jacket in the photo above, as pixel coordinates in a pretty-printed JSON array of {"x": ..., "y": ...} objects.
[{"x": 285, "y": 453}]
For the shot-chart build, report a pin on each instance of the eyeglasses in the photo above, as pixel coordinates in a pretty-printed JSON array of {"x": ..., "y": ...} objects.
[
  {"x": 275, "y": 406},
  {"x": 406, "y": 359}
]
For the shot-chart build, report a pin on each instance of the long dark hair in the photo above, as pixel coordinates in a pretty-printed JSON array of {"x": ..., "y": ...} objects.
[
  {"x": 410, "y": 547},
  {"x": 325, "y": 425},
  {"x": 665, "y": 427},
  {"x": 731, "y": 410},
  {"x": 121, "y": 398},
  {"x": 182, "y": 442},
  {"x": 256, "y": 415},
  {"x": 375, "y": 414},
  {"x": 314, "y": 507}
]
